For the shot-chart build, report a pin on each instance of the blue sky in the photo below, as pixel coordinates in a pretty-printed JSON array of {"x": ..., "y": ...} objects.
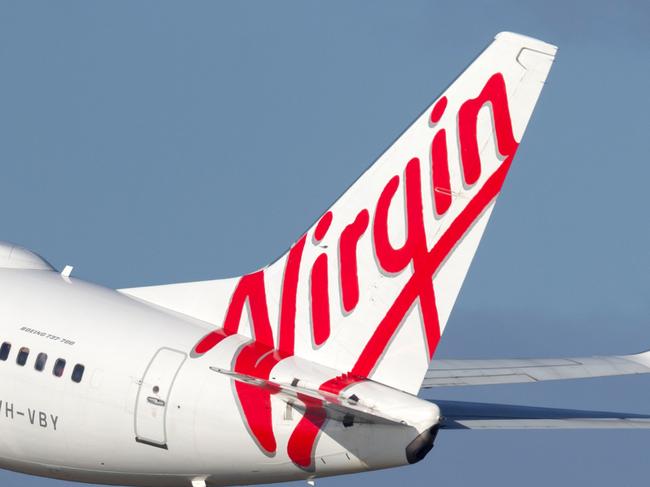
[{"x": 152, "y": 142}]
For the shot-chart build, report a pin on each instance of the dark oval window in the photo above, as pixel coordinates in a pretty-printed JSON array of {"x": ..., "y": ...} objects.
[
  {"x": 59, "y": 367},
  {"x": 41, "y": 360},
  {"x": 21, "y": 358},
  {"x": 78, "y": 373},
  {"x": 5, "y": 348}
]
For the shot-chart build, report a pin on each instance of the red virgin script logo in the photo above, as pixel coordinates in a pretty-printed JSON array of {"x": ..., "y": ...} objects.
[{"x": 258, "y": 357}]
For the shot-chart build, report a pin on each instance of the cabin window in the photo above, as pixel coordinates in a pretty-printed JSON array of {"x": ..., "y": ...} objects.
[
  {"x": 59, "y": 366},
  {"x": 78, "y": 373},
  {"x": 5, "y": 348},
  {"x": 41, "y": 360},
  {"x": 21, "y": 358}
]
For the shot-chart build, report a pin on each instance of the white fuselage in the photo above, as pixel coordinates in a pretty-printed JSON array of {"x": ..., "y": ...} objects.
[{"x": 145, "y": 411}]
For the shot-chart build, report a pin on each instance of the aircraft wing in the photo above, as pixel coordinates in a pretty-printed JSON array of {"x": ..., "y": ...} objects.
[
  {"x": 470, "y": 415},
  {"x": 510, "y": 371}
]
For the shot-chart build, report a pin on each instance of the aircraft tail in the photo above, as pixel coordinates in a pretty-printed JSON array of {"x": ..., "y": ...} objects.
[{"x": 369, "y": 288}]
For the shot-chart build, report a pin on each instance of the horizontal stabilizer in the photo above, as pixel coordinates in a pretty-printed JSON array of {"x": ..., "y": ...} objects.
[
  {"x": 510, "y": 371},
  {"x": 342, "y": 409},
  {"x": 470, "y": 415}
]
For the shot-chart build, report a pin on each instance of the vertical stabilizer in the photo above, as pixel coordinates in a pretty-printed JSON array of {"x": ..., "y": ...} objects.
[{"x": 370, "y": 287}]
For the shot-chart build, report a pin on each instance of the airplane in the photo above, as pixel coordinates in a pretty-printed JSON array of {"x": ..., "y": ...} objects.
[{"x": 311, "y": 366}]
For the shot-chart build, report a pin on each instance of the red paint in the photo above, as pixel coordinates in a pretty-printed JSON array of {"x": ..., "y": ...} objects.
[
  {"x": 258, "y": 357},
  {"x": 348, "y": 260},
  {"x": 425, "y": 266},
  {"x": 391, "y": 321},
  {"x": 337, "y": 384},
  {"x": 412, "y": 252},
  {"x": 440, "y": 173},
  {"x": 322, "y": 226},
  {"x": 494, "y": 93},
  {"x": 438, "y": 110},
  {"x": 289, "y": 291},
  {"x": 303, "y": 438},
  {"x": 320, "y": 303},
  {"x": 250, "y": 289},
  {"x": 257, "y": 360},
  {"x": 390, "y": 258},
  {"x": 210, "y": 340}
]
